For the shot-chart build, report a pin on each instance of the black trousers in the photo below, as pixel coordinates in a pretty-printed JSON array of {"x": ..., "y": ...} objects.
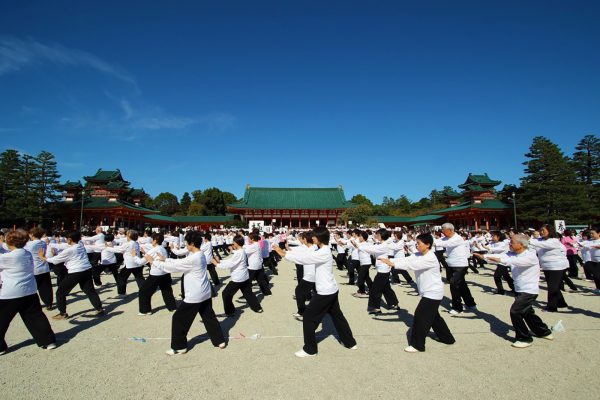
[
  {"x": 303, "y": 294},
  {"x": 299, "y": 272},
  {"x": 397, "y": 272},
  {"x": 363, "y": 277},
  {"x": 459, "y": 289},
  {"x": 587, "y": 270},
  {"x": 353, "y": 269},
  {"x": 523, "y": 318},
  {"x": 594, "y": 269},
  {"x": 138, "y": 273},
  {"x": 555, "y": 297},
  {"x": 428, "y": 317},
  {"x": 568, "y": 281},
  {"x": 232, "y": 288},
  {"x": 44, "y": 285},
  {"x": 184, "y": 317},
  {"x": 573, "y": 270},
  {"x": 97, "y": 270},
  {"x": 212, "y": 271},
  {"x": 84, "y": 279},
  {"x": 477, "y": 261},
  {"x": 340, "y": 260},
  {"x": 30, "y": 310},
  {"x": 381, "y": 285},
  {"x": 502, "y": 273},
  {"x": 259, "y": 276},
  {"x": 313, "y": 315},
  {"x": 440, "y": 256},
  {"x": 153, "y": 282},
  {"x": 60, "y": 271}
]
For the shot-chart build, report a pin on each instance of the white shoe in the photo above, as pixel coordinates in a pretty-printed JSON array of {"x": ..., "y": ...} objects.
[
  {"x": 51, "y": 346},
  {"x": 141, "y": 314},
  {"x": 297, "y": 316},
  {"x": 411, "y": 349},
  {"x": 521, "y": 345},
  {"x": 303, "y": 354},
  {"x": 453, "y": 312},
  {"x": 355, "y": 347},
  {"x": 548, "y": 337},
  {"x": 172, "y": 352},
  {"x": 222, "y": 345},
  {"x": 97, "y": 286}
]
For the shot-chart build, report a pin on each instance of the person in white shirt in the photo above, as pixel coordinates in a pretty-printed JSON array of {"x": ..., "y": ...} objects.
[
  {"x": 341, "y": 259},
  {"x": 198, "y": 297},
  {"x": 429, "y": 283},
  {"x": 57, "y": 244},
  {"x": 497, "y": 246},
  {"x": 42, "y": 269},
  {"x": 208, "y": 249},
  {"x": 365, "y": 264},
  {"x": 325, "y": 301},
  {"x": 157, "y": 278},
  {"x": 255, "y": 264},
  {"x": 131, "y": 266},
  {"x": 458, "y": 261},
  {"x": 240, "y": 279},
  {"x": 353, "y": 262},
  {"x": 18, "y": 293},
  {"x": 79, "y": 271},
  {"x": 108, "y": 259},
  {"x": 553, "y": 261},
  {"x": 526, "y": 274},
  {"x": 396, "y": 244},
  {"x": 592, "y": 246},
  {"x": 306, "y": 285},
  {"x": 381, "y": 282}
]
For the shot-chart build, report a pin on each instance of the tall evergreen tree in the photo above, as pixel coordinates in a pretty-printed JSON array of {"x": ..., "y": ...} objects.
[
  {"x": 46, "y": 183},
  {"x": 586, "y": 162},
  {"x": 10, "y": 165},
  {"x": 185, "y": 202},
  {"x": 549, "y": 189},
  {"x": 26, "y": 199}
]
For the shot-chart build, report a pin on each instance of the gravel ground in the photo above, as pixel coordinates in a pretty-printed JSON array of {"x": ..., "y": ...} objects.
[{"x": 99, "y": 357}]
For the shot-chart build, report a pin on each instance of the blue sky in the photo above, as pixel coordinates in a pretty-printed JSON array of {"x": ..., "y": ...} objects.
[{"x": 383, "y": 97}]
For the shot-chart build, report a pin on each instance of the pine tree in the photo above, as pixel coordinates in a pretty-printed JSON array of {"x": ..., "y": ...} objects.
[
  {"x": 9, "y": 182},
  {"x": 26, "y": 199},
  {"x": 586, "y": 162},
  {"x": 549, "y": 189},
  {"x": 185, "y": 202},
  {"x": 46, "y": 184}
]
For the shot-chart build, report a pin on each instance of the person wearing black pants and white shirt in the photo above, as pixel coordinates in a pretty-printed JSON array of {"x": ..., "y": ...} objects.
[
  {"x": 18, "y": 293},
  {"x": 198, "y": 298},
  {"x": 42, "y": 269},
  {"x": 458, "y": 262},
  {"x": 593, "y": 265},
  {"x": 157, "y": 278},
  {"x": 79, "y": 271},
  {"x": 240, "y": 278},
  {"x": 364, "y": 259},
  {"x": 131, "y": 266},
  {"x": 429, "y": 283},
  {"x": 208, "y": 250},
  {"x": 325, "y": 301},
  {"x": 255, "y": 264},
  {"x": 341, "y": 258},
  {"x": 381, "y": 282},
  {"x": 306, "y": 285},
  {"x": 397, "y": 245},
  {"x": 553, "y": 261},
  {"x": 499, "y": 245},
  {"x": 526, "y": 274}
]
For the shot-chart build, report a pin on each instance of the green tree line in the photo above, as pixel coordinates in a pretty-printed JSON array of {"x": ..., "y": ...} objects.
[{"x": 554, "y": 186}]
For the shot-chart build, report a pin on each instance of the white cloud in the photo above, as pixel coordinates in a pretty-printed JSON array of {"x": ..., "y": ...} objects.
[{"x": 16, "y": 54}]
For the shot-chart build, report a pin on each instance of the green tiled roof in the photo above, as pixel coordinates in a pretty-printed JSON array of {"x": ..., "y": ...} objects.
[
  {"x": 72, "y": 185},
  {"x": 293, "y": 198},
  {"x": 475, "y": 188},
  {"x": 137, "y": 192},
  {"x": 191, "y": 218},
  {"x": 116, "y": 185},
  {"x": 482, "y": 180},
  {"x": 408, "y": 220},
  {"x": 104, "y": 176},
  {"x": 102, "y": 202},
  {"x": 485, "y": 204},
  {"x": 451, "y": 193}
]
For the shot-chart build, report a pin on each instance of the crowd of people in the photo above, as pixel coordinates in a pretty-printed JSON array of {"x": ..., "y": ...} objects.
[{"x": 27, "y": 259}]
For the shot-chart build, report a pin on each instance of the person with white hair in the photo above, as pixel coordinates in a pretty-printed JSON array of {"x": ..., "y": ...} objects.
[
  {"x": 526, "y": 275},
  {"x": 458, "y": 262}
]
